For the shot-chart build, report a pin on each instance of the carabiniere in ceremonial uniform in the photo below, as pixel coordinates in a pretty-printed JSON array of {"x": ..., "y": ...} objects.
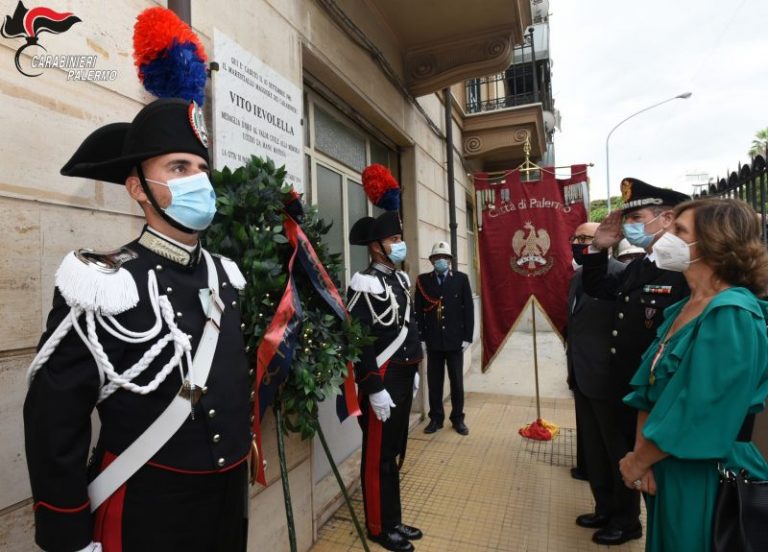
[
  {"x": 149, "y": 335},
  {"x": 379, "y": 297}
]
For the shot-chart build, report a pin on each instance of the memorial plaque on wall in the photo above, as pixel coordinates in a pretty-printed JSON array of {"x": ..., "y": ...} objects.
[{"x": 256, "y": 111}]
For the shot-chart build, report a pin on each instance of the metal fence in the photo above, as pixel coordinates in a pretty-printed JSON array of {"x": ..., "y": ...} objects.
[{"x": 749, "y": 183}]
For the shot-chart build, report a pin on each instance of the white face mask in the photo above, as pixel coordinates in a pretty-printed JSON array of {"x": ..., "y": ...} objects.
[{"x": 672, "y": 253}]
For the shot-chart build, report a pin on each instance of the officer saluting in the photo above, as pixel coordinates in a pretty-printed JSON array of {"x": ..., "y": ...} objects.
[
  {"x": 379, "y": 297},
  {"x": 641, "y": 293},
  {"x": 150, "y": 336}
]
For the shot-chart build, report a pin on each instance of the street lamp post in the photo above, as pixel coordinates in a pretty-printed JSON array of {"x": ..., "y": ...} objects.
[{"x": 683, "y": 96}]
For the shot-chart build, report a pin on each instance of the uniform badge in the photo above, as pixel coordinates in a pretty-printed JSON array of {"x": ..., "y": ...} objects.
[
  {"x": 626, "y": 190},
  {"x": 197, "y": 122},
  {"x": 649, "y": 314},
  {"x": 531, "y": 250}
]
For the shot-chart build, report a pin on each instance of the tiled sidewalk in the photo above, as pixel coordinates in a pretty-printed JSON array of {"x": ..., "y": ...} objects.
[{"x": 490, "y": 491}]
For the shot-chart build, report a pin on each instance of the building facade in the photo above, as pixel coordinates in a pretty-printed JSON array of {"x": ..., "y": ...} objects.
[{"x": 372, "y": 76}]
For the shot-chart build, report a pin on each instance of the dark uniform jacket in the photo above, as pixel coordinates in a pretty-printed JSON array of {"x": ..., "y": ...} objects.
[
  {"x": 641, "y": 293},
  {"x": 65, "y": 390},
  {"x": 588, "y": 339},
  {"x": 368, "y": 375},
  {"x": 445, "y": 313}
]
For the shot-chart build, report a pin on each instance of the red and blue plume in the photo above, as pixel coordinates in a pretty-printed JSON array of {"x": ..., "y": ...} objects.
[
  {"x": 381, "y": 187},
  {"x": 169, "y": 56}
]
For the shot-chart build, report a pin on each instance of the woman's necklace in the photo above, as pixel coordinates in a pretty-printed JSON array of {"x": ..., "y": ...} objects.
[{"x": 697, "y": 307}]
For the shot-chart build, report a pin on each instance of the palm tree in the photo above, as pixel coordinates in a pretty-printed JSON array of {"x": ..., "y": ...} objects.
[{"x": 759, "y": 144}]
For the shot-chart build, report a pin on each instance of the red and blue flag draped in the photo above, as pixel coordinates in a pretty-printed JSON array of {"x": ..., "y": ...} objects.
[
  {"x": 275, "y": 353},
  {"x": 346, "y": 403},
  {"x": 274, "y": 357}
]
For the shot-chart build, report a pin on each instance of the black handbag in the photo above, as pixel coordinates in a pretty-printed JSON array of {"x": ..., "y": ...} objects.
[{"x": 740, "y": 521}]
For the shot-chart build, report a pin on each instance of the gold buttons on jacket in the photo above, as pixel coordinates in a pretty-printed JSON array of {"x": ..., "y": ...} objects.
[
  {"x": 212, "y": 413},
  {"x": 216, "y": 438},
  {"x": 614, "y": 333},
  {"x": 613, "y": 350},
  {"x": 220, "y": 462},
  {"x": 621, "y": 316}
]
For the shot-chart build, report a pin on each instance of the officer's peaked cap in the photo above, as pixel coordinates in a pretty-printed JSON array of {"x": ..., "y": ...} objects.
[
  {"x": 168, "y": 125},
  {"x": 637, "y": 194}
]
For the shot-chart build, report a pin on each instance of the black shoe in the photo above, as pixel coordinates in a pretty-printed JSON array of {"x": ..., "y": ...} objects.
[
  {"x": 576, "y": 473},
  {"x": 592, "y": 521},
  {"x": 392, "y": 540},
  {"x": 461, "y": 428},
  {"x": 611, "y": 535},
  {"x": 433, "y": 426},
  {"x": 410, "y": 533}
]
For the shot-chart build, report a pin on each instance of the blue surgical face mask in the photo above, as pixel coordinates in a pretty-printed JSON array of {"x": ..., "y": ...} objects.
[
  {"x": 441, "y": 266},
  {"x": 193, "y": 201},
  {"x": 636, "y": 234},
  {"x": 397, "y": 252}
]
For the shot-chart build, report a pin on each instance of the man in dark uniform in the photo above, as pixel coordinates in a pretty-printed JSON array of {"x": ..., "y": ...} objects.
[
  {"x": 379, "y": 297},
  {"x": 640, "y": 295},
  {"x": 590, "y": 322},
  {"x": 446, "y": 316},
  {"x": 150, "y": 336}
]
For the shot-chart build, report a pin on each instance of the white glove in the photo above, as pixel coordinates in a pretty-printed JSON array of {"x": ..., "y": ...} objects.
[
  {"x": 416, "y": 380},
  {"x": 381, "y": 402},
  {"x": 424, "y": 349},
  {"x": 465, "y": 345}
]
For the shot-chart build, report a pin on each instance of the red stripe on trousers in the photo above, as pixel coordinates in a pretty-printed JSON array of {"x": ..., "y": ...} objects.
[
  {"x": 108, "y": 525},
  {"x": 372, "y": 473}
]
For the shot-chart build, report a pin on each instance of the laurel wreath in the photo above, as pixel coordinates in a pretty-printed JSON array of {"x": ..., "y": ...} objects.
[{"x": 248, "y": 228}]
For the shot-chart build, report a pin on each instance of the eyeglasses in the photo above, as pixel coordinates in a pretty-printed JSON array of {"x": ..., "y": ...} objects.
[{"x": 581, "y": 238}]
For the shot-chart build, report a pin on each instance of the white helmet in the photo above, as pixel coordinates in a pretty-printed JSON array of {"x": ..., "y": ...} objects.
[
  {"x": 441, "y": 248},
  {"x": 626, "y": 248}
]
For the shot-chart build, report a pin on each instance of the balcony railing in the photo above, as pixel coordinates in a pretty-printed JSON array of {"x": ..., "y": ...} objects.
[{"x": 525, "y": 82}]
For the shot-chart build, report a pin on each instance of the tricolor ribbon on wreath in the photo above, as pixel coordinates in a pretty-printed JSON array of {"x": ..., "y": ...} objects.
[{"x": 275, "y": 353}]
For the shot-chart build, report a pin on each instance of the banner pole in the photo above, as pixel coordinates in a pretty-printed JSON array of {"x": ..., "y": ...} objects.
[{"x": 535, "y": 360}]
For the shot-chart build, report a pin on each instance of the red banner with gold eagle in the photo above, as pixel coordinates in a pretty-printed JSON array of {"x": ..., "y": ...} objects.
[{"x": 524, "y": 249}]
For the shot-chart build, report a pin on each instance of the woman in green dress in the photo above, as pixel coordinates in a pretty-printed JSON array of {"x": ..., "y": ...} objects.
[{"x": 705, "y": 375}]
